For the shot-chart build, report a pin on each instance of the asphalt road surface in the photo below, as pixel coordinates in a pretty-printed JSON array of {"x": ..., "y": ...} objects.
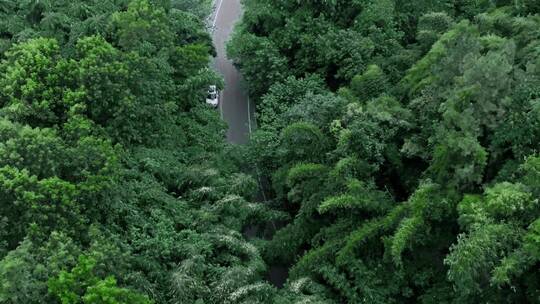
[{"x": 235, "y": 107}]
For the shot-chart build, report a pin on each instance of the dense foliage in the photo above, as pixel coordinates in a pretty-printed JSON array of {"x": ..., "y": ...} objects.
[
  {"x": 397, "y": 149},
  {"x": 114, "y": 185},
  {"x": 402, "y": 139}
]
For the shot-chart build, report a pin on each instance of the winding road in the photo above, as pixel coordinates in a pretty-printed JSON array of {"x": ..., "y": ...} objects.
[{"x": 235, "y": 107}]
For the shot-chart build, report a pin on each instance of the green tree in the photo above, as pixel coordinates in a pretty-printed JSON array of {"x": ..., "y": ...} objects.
[
  {"x": 370, "y": 84},
  {"x": 80, "y": 285}
]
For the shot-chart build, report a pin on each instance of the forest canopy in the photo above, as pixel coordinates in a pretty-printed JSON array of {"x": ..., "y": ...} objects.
[
  {"x": 395, "y": 161},
  {"x": 401, "y": 137},
  {"x": 114, "y": 187}
]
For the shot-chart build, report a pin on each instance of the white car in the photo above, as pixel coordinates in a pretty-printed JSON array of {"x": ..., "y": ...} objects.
[{"x": 213, "y": 96}]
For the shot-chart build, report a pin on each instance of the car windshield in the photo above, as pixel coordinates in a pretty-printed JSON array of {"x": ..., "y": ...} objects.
[{"x": 212, "y": 96}]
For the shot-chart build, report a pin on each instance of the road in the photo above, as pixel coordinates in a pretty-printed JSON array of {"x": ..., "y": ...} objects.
[{"x": 235, "y": 107}]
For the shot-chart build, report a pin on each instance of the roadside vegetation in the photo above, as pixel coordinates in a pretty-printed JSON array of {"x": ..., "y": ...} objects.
[
  {"x": 114, "y": 185},
  {"x": 401, "y": 137}
]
